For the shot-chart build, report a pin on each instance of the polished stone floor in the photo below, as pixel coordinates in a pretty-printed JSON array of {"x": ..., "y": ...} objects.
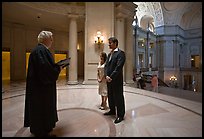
[{"x": 148, "y": 114}]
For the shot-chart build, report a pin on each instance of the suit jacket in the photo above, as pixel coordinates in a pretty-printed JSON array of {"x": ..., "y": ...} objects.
[{"x": 114, "y": 67}]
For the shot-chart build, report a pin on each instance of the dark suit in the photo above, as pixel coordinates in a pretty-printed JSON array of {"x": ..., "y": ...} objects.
[
  {"x": 40, "y": 98},
  {"x": 114, "y": 69}
]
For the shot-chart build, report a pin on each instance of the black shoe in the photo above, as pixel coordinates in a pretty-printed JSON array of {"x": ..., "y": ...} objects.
[
  {"x": 109, "y": 113},
  {"x": 44, "y": 135},
  {"x": 118, "y": 120},
  {"x": 51, "y": 135}
]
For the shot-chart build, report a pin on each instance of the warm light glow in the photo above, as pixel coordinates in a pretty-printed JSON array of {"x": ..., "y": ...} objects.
[
  {"x": 59, "y": 57},
  {"x": 98, "y": 34},
  {"x": 27, "y": 60},
  {"x": 173, "y": 78},
  {"x": 5, "y": 65},
  {"x": 78, "y": 47},
  {"x": 99, "y": 38},
  {"x": 102, "y": 38}
]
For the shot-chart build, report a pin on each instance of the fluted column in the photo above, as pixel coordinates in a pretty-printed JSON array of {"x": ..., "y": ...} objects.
[
  {"x": 120, "y": 32},
  {"x": 124, "y": 19},
  {"x": 129, "y": 66},
  {"x": 148, "y": 50},
  {"x": 72, "y": 78},
  {"x": 18, "y": 49}
]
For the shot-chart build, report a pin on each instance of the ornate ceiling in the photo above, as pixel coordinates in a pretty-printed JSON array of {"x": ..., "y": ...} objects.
[
  {"x": 188, "y": 15},
  {"x": 185, "y": 14},
  {"x": 52, "y": 14}
]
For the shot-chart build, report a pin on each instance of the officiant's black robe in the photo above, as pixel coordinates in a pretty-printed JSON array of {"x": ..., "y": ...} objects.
[{"x": 40, "y": 99}]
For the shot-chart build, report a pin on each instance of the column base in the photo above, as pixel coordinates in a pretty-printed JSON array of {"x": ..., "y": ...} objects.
[
  {"x": 72, "y": 82},
  {"x": 129, "y": 81},
  {"x": 90, "y": 82}
]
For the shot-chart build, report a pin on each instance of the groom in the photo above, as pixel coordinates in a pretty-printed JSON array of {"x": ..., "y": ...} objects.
[{"x": 114, "y": 76}]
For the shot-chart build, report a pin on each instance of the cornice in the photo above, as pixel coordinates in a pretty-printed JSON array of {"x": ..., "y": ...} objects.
[
  {"x": 57, "y": 8},
  {"x": 125, "y": 9}
]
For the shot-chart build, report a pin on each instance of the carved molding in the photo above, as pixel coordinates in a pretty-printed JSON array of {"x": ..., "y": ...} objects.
[
  {"x": 125, "y": 10},
  {"x": 151, "y": 8},
  {"x": 56, "y": 7}
]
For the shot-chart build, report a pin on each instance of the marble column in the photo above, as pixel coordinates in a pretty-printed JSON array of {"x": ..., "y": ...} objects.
[
  {"x": 148, "y": 50},
  {"x": 18, "y": 51},
  {"x": 146, "y": 59},
  {"x": 92, "y": 25},
  {"x": 119, "y": 34},
  {"x": 129, "y": 66},
  {"x": 72, "y": 76}
]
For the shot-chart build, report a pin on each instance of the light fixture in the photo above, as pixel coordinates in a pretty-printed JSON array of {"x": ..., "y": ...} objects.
[
  {"x": 99, "y": 38},
  {"x": 173, "y": 81},
  {"x": 78, "y": 47},
  {"x": 173, "y": 78}
]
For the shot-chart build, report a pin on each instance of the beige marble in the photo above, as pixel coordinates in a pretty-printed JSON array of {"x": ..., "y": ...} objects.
[{"x": 148, "y": 114}]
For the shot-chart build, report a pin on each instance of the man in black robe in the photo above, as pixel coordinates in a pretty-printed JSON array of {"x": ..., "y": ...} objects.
[
  {"x": 114, "y": 76},
  {"x": 40, "y": 98}
]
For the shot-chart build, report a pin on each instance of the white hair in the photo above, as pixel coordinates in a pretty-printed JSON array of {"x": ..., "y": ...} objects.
[{"x": 43, "y": 35}]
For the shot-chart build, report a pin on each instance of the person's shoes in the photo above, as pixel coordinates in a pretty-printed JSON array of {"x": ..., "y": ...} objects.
[
  {"x": 102, "y": 108},
  {"x": 45, "y": 135},
  {"x": 52, "y": 135},
  {"x": 109, "y": 113},
  {"x": 106, "y": 107},
  {"x": 118, "y": 120}
]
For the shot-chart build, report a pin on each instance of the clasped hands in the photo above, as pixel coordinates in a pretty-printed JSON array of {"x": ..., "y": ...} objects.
[
  {"x": 108, "y": 79},
  {"x": 99, "y": 80}
]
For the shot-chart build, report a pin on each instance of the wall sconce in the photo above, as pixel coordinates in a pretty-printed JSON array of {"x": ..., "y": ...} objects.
[
  {"x": 78, "y": 47},
  {"x": 99, "y": 38},
  {"x": 173, "y": 78}
]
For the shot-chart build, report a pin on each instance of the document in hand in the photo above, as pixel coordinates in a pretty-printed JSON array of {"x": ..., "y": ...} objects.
[{"x": 64, "y": 62}]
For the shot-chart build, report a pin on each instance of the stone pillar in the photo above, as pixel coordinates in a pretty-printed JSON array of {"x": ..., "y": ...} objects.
[
  {"x": 129, "y": 66},
  {"x": 148, "y": 50},
  {"x": 146, "y": 53},
  {"x": 120, "y": 32},
  {"x": 136, "y": 58},
  {"x": 124, "y": 33},
  {"x": 168, "y": 53},
  {"x": 18, "y": 51},
  {"x": 158, "y": 54},
  {"x": 92, "y": 25},
  {"x": 120, "y": 35},
  {"x": 72, "y": 78},
  {"x": 176, "y": 60}
]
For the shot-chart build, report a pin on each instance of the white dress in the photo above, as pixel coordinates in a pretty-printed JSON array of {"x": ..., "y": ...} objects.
[{"x": 102, "y": 89}]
